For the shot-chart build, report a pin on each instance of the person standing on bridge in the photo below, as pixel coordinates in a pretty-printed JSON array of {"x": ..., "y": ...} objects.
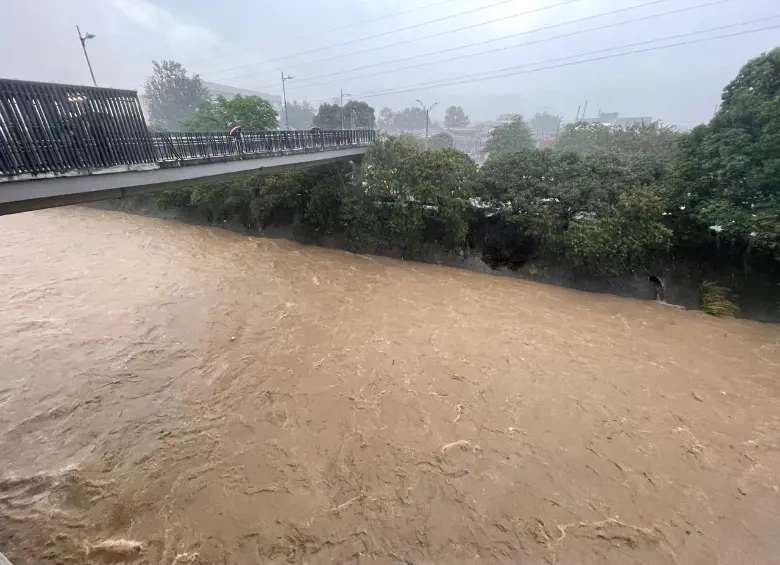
[{"x": 235, "y": 133}]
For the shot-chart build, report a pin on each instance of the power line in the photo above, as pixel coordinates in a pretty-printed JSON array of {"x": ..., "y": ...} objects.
[
  {"x": 464, "y": 79},
  {"x": 545, "y": 28},
  {"x": 406, "y": 28},
  {"x": 515, "y": 46},
  {"x": 340, "y": 28}
]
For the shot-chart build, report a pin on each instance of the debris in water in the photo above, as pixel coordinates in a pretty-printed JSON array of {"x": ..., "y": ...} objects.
[
  {"x": 462, "y": 444},
  {"x": 116, "y": 548}
]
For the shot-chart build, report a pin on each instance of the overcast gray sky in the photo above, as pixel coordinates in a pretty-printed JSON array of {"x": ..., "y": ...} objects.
[{"x": 326, "y": 46}]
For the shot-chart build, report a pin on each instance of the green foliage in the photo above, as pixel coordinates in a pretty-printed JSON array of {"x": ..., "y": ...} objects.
[
  {"x": 649, "y": 149},
  {"x": 359, "y": 114},
  {"x": 714, "y": 300},
  {"x": 413, "y": 185},
  {"x": 354, "y": 112},
  {"x": 173, "y": 199},
  {"x": 408, "y": 119},
  {"x": 547, "y": 190},
  {"x": 648, "y": 140},
  {"x": 329, "y": 116},
  {"x": 360, "y": 217},
  {"x": 587, "y": 206},
  {"x": 455, "y": 117},
  {"x": 324, "y": 209},
  {"x": 623, "y": 239},
  {"x": 728, "y": 174},
  {"x": 172, "y": 95},
  {"x": 252, "y": 113},
  {"x": 514, "y": 136},
  {"x": 280, "y": 196},
  {"x": 223, "y": 201}
]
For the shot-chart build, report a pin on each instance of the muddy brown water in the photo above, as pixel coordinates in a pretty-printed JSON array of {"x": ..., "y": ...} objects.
[{"x": 173, "y": 394}]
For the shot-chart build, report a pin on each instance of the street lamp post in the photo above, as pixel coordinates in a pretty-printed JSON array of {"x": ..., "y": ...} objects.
[
  {"x": 284, "y": 97},
  {"x": 83, "y": 39},
  {"x": 427, "y": 115}
]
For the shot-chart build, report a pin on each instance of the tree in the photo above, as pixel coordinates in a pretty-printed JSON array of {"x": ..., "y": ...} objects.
[
  {"x": 252, "y": 113},
  {"x": 408, "y": 119},
  {"x": 359, "y": 115},
  {"x": 547, "y": 190},
  {"x": 589, "y": 207},
  {"x": 545, "y": 124},
  {"x": 514, "y": 136},
  {"x": 354, "y": 112},
  {"x": 455, "y": 117},
  {"x": 649, "y": 149},
  {"x": 624, "y": 238},
  {"x": 301, "y": 115},
  {"x": 416, "y": 186},
  {"x": 728, "y": 172},
  {"x": 654, "y": 139},
  {"x": 172, "y": 95},
  {"x": 329, "y": 116},
  {"x": 386, "y": 119}
]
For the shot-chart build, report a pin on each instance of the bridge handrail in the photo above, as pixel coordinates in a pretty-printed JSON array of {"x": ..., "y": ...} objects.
[
  {"x": 182, "y": 146},
  {"x": 56, "y": 129}
]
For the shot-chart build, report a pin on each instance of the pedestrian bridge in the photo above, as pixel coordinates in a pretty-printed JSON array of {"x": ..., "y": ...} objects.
[{"x": 64, "y": 144}]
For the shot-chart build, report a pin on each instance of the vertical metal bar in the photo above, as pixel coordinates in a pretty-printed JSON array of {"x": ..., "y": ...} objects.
[
  {"x": 106, "y": 132},
  {"x": 124, "y": 142},
  {"x": 134, "y": 127},
  {"x": 28, "y": 129},
  {"x": 94, "y": 131},
  {"x": 54, "y": 118},
  {"x": 71, "y": 126},
  {"x": 15, "y": 152},
  {"x": 51, "y": 149},
  {"x": 81, "y": 127},
  {"x": 146, "y": 145}
]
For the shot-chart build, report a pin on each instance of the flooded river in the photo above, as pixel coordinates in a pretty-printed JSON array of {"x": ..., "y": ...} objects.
[{"x": 174, "y": 394}]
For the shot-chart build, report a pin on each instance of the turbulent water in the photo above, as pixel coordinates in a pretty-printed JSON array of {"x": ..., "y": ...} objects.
[{"x": 173, "y": 394}]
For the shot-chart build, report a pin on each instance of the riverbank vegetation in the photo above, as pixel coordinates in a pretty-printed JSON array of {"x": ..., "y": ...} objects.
[{"x": 604, "y": 200}]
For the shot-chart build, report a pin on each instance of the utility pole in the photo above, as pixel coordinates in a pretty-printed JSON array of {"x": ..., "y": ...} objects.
[
  {"x": 83, "y": 39},
  {"x": 585, "y": 109},
  {"x": 577, "y": 117},
  {"x": 284, "y": 97},
  {"x": 427, "y": 118},
  {"x": 343, "y": 94}
]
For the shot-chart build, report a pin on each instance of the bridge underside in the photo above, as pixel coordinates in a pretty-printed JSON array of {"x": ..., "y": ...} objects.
[{"x": 49, "y": 192}]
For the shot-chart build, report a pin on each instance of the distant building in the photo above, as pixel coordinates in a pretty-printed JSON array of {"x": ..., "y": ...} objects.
[
  {"x": 471, "y": 140},
  {"x": 506, "y": 118},
  {"x": 614, "y": 119}
]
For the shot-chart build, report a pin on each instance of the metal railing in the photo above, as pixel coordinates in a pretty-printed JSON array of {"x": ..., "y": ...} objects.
[
  {"x": 182, "y": 147},
  {"x": 57, "y": 129}
]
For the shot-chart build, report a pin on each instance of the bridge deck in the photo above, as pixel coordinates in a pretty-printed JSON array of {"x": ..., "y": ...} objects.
[{"x": 62, "y": 190}]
